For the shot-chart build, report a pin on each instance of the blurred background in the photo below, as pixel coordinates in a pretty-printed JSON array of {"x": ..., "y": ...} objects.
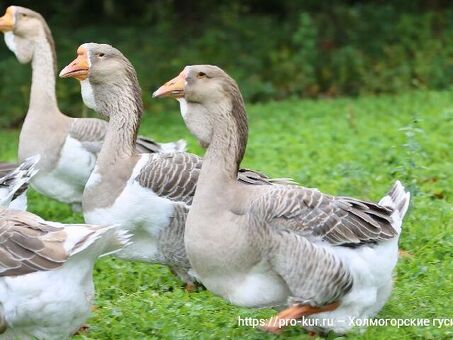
[{"x": 275, "y": 49}]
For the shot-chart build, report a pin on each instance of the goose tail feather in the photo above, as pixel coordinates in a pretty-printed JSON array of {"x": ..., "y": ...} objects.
[
  {"x": 104, "y": 240},
  {"x": 147, "y": 145},
  {"x": 398, "y": 200},
  {"x": 16, "y": 182}
]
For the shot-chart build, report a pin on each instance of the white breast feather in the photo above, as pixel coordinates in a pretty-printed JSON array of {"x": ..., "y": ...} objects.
[
  {"x": 140, "y": 211},
  {"x": 87, "y": 94},
  {"x": 67, "y": 180},
  {"x": 183, "y": 107},
  {"x": 9, "y": 41},
  {"x": 48, "y": 304}
]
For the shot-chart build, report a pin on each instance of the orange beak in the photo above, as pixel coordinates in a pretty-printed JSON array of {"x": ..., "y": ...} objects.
[
  {"x": 7, "y": 21},
  {"x": 79, "y": 68},
  {"x": 173, "y": 88}
]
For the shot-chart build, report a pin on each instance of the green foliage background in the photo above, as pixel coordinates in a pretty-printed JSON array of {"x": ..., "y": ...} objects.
[
  {"x": 347, "y": 146},
  {"x": 274, "y": 49}
]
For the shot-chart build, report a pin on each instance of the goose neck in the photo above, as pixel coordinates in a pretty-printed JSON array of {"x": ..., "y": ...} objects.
[
  {"x": 42, "y": 95},
  {"x": 228, "y": 143},
  {"x": 125, "y": 112}
]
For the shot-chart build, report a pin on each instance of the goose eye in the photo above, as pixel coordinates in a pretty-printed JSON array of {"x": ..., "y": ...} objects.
[
  {"x": 100, "y": 55},
  {"x": 23, "y": 15},
  {"x": 201, "y": 75}
]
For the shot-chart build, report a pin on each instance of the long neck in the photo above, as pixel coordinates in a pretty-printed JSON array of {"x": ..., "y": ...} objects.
[
  {"x": 227, "y": 147},
  {"x": 42, "y": 96},
  {"x": 125, "y": 108},
  {"x": 119, "y": 142},
  {"x": 118, "y": 157}
]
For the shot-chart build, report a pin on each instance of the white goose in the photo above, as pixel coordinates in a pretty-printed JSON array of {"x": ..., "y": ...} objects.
[
  {"x": 46, "y": 285},
  {"x": 68, "y": 146},
  {"x": 325, "y": 257}
]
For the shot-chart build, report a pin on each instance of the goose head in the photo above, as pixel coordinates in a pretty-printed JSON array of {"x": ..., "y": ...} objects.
[
  {"x": 23, "y": 28},
  {"x": 108, "y": 80},
  {"x": 208, "y": 97}
]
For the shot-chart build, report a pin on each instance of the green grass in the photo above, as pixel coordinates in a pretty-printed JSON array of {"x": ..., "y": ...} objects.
[{"x": 352, "y": 147}]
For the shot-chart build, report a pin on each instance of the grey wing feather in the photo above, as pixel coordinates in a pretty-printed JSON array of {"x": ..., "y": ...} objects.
[
  {"x": 313, "y": 275},
  {"x": 171, "y": 243},
  {"x": 28, "y": 245},
  {"x": 175, "y": 176},
  {"x": 147, "y": 145},
  {"x": 93, "y": 147},
  {"x": 90, "y": 130},
  {"x": 16, "y": 181},
  {"x": 314, "y": 215},
  {"x": 6, "y": 168},
  {"x": 172, "y": 175},
  {"x": 257, "y": 178}
]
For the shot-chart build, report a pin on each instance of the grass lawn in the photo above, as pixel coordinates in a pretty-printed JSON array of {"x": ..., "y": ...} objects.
[{"x": 354, "y": 147}]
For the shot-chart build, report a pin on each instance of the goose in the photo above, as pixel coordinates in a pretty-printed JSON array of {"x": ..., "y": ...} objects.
[
  {"x": 14, "y": 183},
  {"x": 46, "y": 285},
  {"x": 319, "y": 257},
  {"x": 148, "y": 194},
  {"x": 68, "y": 146}
]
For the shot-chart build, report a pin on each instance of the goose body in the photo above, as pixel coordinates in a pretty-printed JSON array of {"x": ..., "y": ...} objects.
[
  {"x": 148, "y": 194},
  {"x": 66, "y": 178},
  {"x": 46, "y": 286},
  {"x": 275, "y": 274},
  {"x": 14, "y": 181},
  {"x": 329, "y": 259},
  {"x": 68, "y": 146},
  {"x": 128, "y": 210}
]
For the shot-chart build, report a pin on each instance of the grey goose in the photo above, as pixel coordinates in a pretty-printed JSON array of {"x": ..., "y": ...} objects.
[
  {"x": 148, "y": 194},
  {"x": 319, "y": 256}
]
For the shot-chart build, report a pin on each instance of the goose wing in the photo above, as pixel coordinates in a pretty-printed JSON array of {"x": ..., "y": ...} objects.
[
  {"x": 314, "y": 276},
  {"x": 314, "y": 215},
  {"x": 90, "y": 130},
  {"x": 257, "y": 178},
  {"x": 175, "y": 176},
  {"x": 28, "y": 244},
  {"x": 171, "y": 175},
  {"x": 285, "y": 221},
  {"x": 15, "y": 183},
  {"x": 148, "y": 145}
]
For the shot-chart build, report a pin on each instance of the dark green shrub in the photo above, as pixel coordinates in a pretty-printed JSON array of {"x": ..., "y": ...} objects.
[{"x": 274, "y": 49}]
